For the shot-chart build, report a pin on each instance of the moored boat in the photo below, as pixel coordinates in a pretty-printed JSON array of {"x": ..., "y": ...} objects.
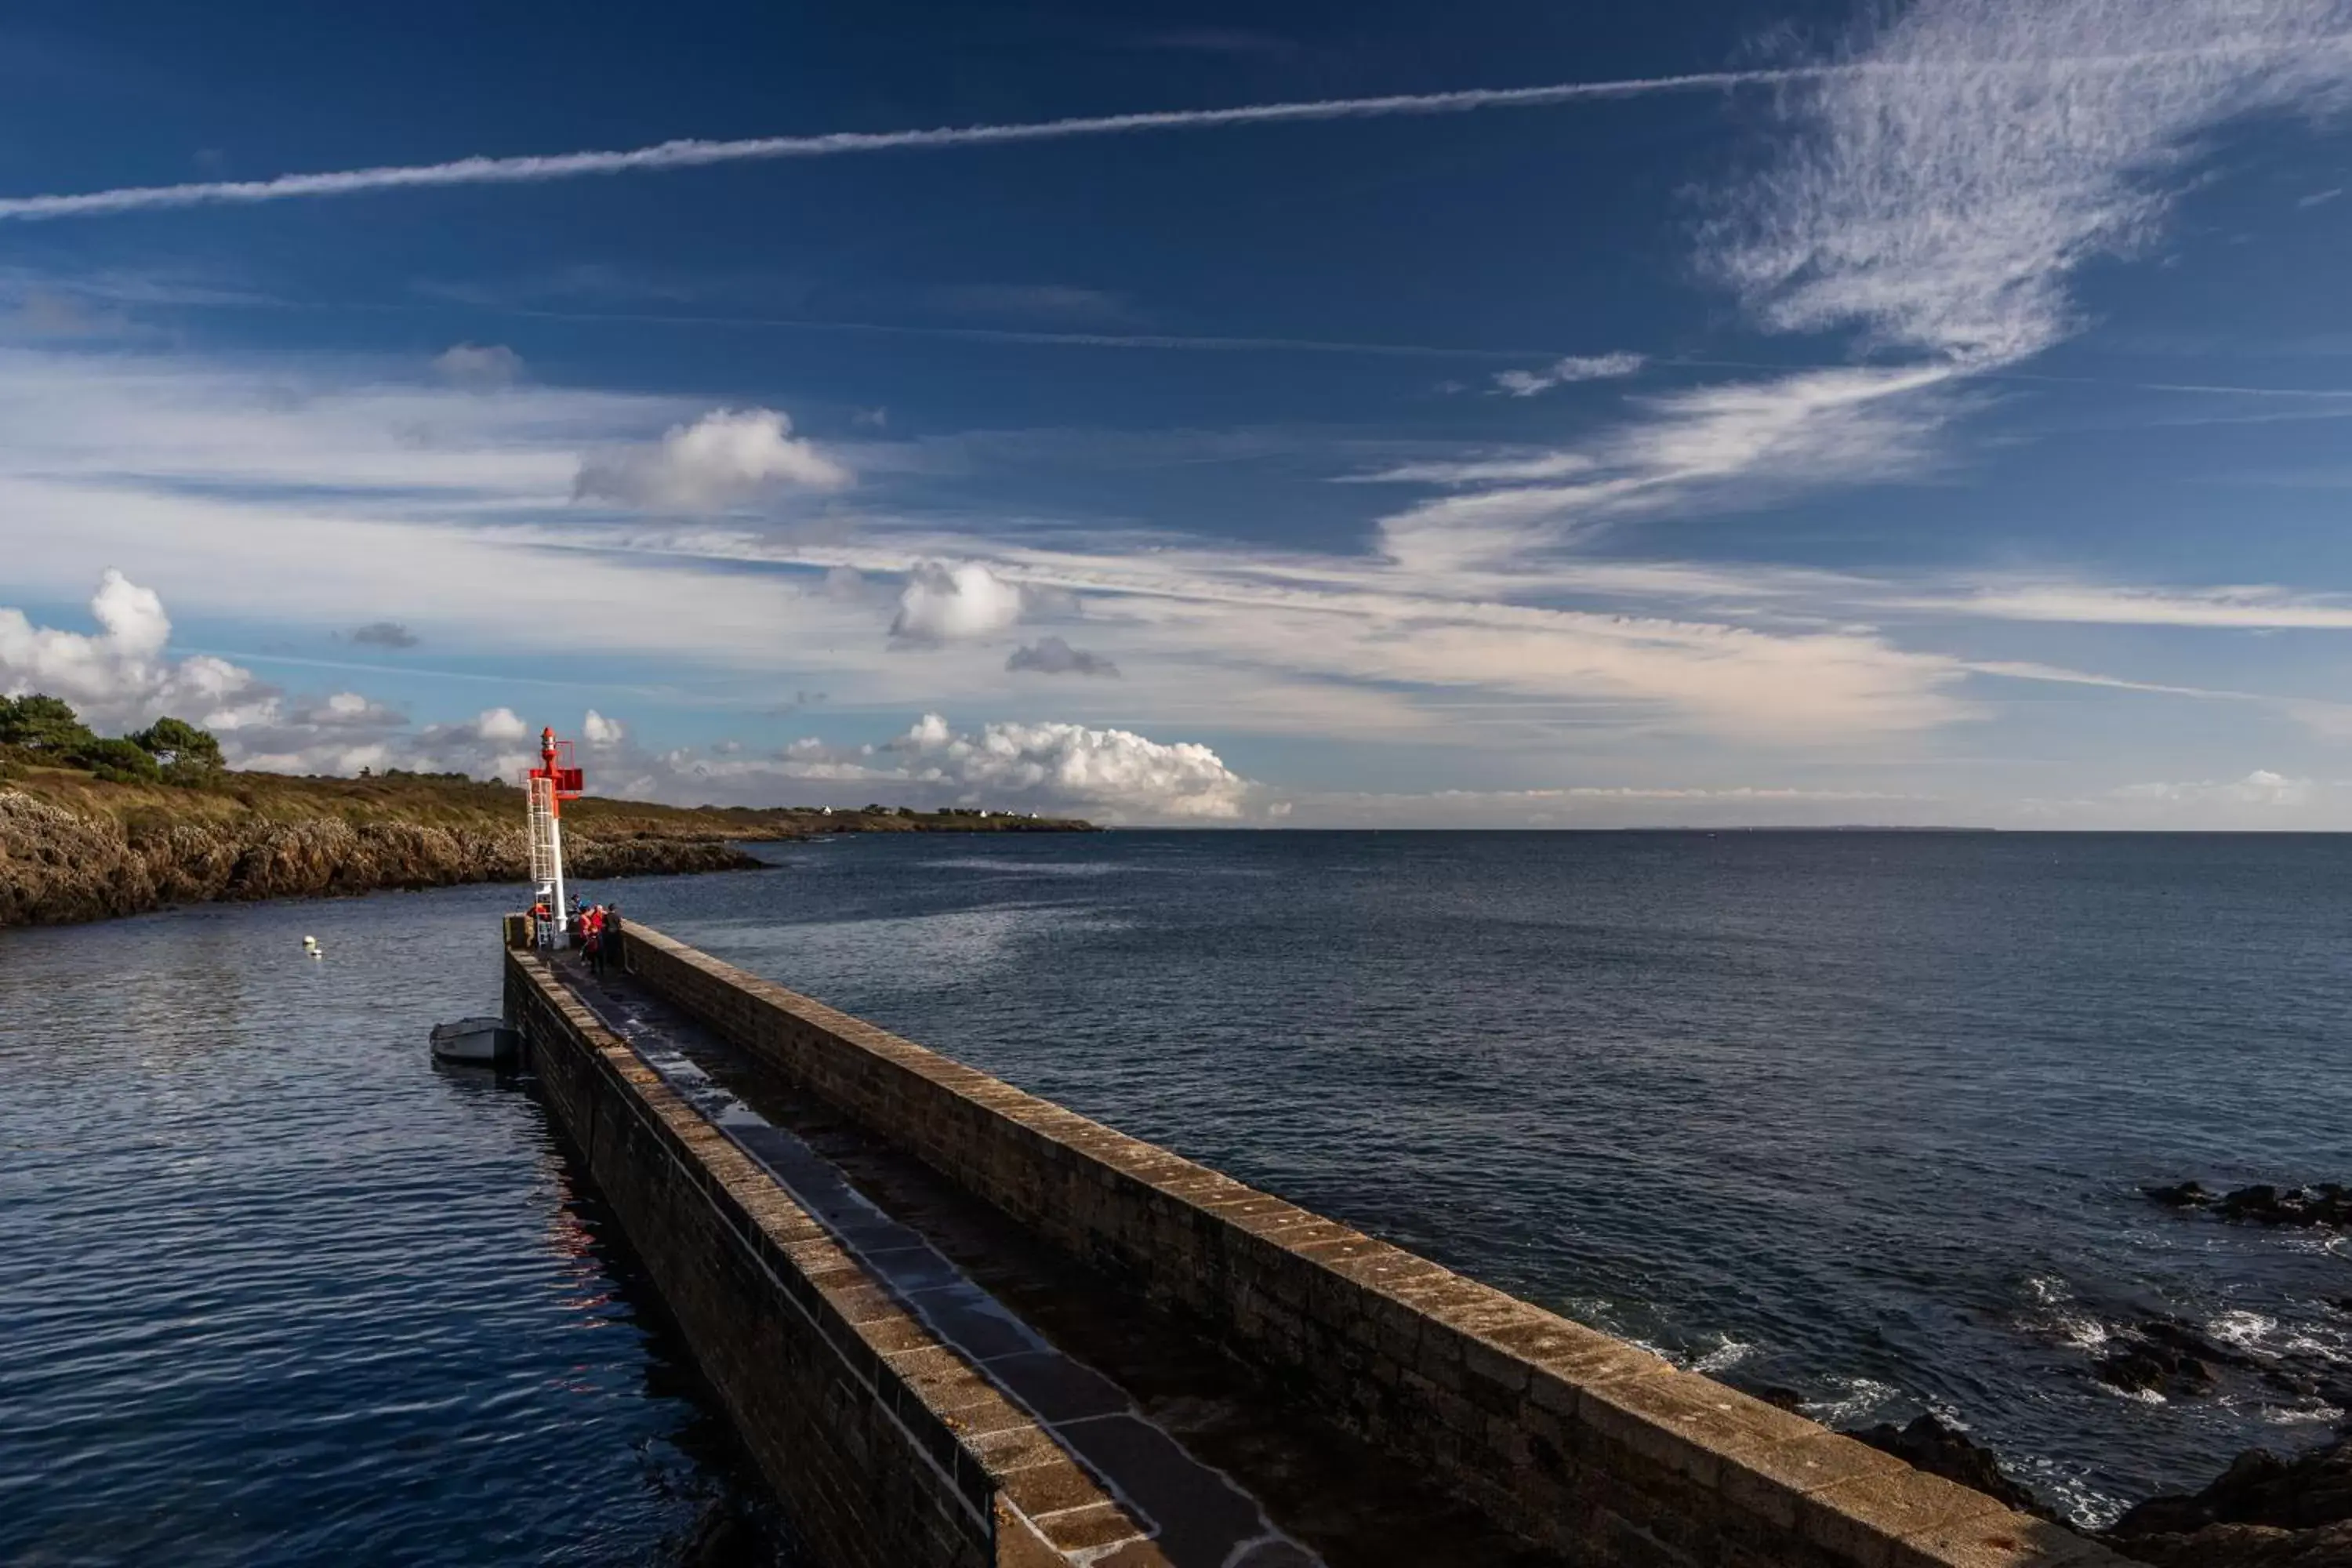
[{"x": 485, "y": 1042}]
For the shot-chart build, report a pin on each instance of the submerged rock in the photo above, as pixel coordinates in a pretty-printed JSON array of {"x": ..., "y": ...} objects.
[
  {"x": 2328, "y": 1204},
  {"x": 2180, "y": 1196},
  {"x": 2325, "y": 1203},
  {"x": 2164, "y": 1355}
]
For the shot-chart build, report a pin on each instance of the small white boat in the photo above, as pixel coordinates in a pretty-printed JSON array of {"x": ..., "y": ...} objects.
[{"x": 485, "y": 1042}]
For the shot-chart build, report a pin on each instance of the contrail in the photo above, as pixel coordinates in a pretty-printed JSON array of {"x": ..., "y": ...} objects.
[{"x": 692, "y": 153}]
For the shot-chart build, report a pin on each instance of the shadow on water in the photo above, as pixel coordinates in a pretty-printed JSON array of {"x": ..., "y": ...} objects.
[{"x": 736, "y": 1521}]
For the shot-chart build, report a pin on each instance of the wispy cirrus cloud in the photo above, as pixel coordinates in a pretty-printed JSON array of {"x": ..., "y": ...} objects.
[
  {"x": 1940, "y": 182},
  {"x": 1567, "y": 371},
  {"x": 2229, "y": 608}
]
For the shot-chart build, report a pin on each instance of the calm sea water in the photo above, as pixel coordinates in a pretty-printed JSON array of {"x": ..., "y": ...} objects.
[
  {"x": 276, "y": 1291},
  {"x": 1863, "y": 1116}
]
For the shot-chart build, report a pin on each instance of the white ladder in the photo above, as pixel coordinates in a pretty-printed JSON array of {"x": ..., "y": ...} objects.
[{"x": 547, "y": 850}]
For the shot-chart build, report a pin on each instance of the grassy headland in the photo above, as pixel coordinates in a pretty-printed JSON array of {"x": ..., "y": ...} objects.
[{"x": 88, "y": 832}]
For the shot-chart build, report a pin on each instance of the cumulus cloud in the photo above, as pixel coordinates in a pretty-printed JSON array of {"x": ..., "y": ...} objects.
[
  {"x": 949, "y": 603},
  {"x": 599, "y": 731},
  {"x": 494, "y": 743},
  {"x": 386, "y": 634},
  {"x": 481, "y": 367},
  {"x": 119, "y": 677},
  {"x": 350, "y": 711},
  {"x": 1052, "y": 655},
  {"x": 726, "y": 458},
  {"x": 1115, "y": 771},
  {"x": 500, "y": 725},
  {"x": 1561, "y": 372}
]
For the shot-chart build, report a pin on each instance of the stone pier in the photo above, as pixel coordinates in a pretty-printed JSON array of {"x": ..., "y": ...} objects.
[{"x": 958, "y": 1324}]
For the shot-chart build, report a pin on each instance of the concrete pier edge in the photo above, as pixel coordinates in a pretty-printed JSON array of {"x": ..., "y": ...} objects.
[{"x": 1582, "y": 1443}]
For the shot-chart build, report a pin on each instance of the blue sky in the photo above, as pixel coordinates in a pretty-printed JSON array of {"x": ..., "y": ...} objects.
[{"x": 1927, "y": 416}]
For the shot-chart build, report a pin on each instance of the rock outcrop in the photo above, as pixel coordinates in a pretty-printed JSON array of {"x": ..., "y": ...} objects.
[{"x": 1926, "y": 1444}]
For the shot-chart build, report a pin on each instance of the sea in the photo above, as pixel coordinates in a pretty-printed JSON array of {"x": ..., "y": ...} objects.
[{"x": 1861, "y": 1118}]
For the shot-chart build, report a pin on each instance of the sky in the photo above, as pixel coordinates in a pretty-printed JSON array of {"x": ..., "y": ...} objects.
[{"x": 1500, "y": 414}]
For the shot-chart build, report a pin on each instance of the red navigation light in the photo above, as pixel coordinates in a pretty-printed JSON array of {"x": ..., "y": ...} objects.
[{"x": 555, "y": 765}]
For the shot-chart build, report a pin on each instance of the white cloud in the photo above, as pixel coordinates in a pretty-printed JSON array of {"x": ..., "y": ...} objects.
[
  {"x": 1113, "y": 771},
  {"x": 1943, "y": 198},
  {"x": 599, "y": 731},
  {"x": 1481, "y": 470},
  {"x": 2247, "y": 609},
  {"x": 481, "y": 367},
  {"x": 951, "y": 604},
  {"x": 1574, "y": 368},
  {"x": 500, "y": 725},
  {"x": 121, "y": 678},
  {"x": 2260, "y": 787},
  {"x": 350, "y": 711},
  {"x": 1734, "y": 445},
  {"x": 118, "y": 678},
  {"x": 726, "y": 459}
]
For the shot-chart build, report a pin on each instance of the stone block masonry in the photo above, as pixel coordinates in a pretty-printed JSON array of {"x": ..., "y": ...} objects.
[
  {"x": 1583, "y": 1444},
  {"x": 888, "y": 1449}
]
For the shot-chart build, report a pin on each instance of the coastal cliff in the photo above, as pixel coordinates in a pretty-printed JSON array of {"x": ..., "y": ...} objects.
[{"x": 75, "y": 847}]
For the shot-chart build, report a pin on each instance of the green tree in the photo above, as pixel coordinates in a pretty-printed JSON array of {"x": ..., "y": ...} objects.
[
  {"x": 42, "y": 723},
  {"x": 178, "y": 744},
  {"x": 117, "y": 762}
]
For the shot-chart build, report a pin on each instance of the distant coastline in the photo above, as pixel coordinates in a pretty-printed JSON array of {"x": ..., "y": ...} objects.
[{"x": 77, "y": 847}]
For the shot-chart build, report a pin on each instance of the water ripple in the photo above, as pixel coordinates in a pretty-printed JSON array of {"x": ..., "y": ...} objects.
[{"x": 276, "y": 1290}]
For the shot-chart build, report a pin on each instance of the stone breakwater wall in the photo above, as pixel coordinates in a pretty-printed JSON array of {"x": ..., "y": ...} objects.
[
  {"x": 889, "y": 1450},
  {"x": 58, "y": 865},
  {"x": 1579, "y": 1442}
]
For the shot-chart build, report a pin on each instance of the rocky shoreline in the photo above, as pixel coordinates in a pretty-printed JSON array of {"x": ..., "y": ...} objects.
[
  {"x": 2266, "y": 1511},
  {"x": 59, "y": 867},
  {"x": 75, "y": 848}
]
